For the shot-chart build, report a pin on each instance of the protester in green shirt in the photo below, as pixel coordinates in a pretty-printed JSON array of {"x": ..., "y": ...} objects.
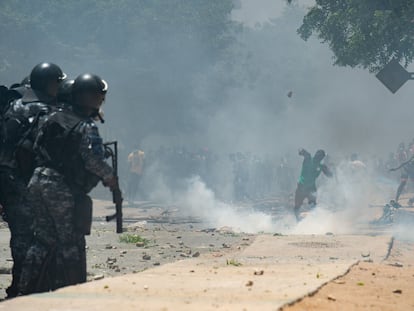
[{"x": 311, "y": 169}]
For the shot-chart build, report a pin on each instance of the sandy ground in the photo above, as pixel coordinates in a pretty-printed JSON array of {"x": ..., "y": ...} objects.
[
  {"x": 369, "y": 286},
  {"x": 271, "y": 272},
  {"x": 186, "y": 266},
  {"x": 171, "y": 238}
]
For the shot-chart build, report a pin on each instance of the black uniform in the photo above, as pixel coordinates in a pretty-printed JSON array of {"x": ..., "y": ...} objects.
[
  {"x": 15, "y": 170},
  {"x": 70, "y": 163}
]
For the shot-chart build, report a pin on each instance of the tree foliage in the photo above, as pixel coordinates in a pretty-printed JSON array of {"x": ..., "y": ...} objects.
[
  {"x": 148, "y": 50},
  {"x": 114, "y": 28},
  {"x": 366, "y": 33}
]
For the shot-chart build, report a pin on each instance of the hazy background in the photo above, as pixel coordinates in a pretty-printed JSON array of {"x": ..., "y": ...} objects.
[
  {"x": 170, "y": 84},
  {"x": 208, "y": 74}
]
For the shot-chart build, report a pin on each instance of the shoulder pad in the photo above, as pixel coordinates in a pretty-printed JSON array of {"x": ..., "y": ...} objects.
[{"x": 66, "y": 119}]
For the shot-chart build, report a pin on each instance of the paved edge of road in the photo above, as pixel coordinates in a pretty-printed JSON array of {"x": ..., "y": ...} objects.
[
  {"x": 316, "y": 290},
  {"x": 346, "y": 269}
]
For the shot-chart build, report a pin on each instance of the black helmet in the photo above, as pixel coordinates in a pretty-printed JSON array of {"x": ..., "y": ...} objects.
[
  {"x": 25, "y": 81},
  {"x": 89, "y": 83},
  {"x": 65, "y": 91},
  {"x": 44, "y": 73}
]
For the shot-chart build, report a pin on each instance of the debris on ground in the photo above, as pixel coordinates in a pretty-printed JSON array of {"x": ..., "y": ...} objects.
[
  {"x": 233, "y": 262},
  {"x": 196, "y": 254},
  {"x": 98, "y": 277},
  {"x": 388, "y": 213},
  {"x": 331, "y": 298}
]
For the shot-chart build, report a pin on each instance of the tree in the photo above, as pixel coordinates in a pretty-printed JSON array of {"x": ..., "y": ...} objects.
[
  {"x": 148, "y": 51},
  {"x": 366, "y": 33}
]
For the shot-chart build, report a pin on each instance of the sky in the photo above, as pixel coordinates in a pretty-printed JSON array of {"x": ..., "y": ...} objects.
[{"x": 254, "y": 12}]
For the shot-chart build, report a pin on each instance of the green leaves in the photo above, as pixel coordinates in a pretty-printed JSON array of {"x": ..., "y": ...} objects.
[
  {"x": 133, "y": 239},
  {"x": 365, "y": 34}
]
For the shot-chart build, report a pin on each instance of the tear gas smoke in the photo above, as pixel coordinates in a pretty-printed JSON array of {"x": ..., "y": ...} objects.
[
  {"x": 169, "y": 87},
  {"x": 343, "y": 205},
  {"x": 200, "y": 201},
  {"x": 344, "y": 201}
]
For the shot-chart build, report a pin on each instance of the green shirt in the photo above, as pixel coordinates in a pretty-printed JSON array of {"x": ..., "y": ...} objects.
[{"x": 310, "y": 172}]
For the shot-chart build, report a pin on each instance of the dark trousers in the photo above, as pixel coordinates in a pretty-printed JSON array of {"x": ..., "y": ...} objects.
[
  {"x": 301, "y": 194},
  {"x": 19, "y": 216}
]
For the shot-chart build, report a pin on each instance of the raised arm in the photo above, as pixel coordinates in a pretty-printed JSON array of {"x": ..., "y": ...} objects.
[
  {"x": 402, "y": 164},
  {"x": 326, "y": 171},
  {"x": 304, "y": 153}
]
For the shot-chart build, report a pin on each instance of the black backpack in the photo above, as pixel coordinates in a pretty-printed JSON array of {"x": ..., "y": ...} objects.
[
  {"x": 8, "y": 95},
  {"x": 12, "y": 127},
  {"x": 58, "y": 146},
  {"x": 3, "y": 96},
  {"x": 58, "y": 140}
]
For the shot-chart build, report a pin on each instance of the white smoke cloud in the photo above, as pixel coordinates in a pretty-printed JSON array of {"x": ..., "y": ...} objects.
[
  {"x": 200, "y": 201},
  {"x": 343, "y": 206},
  {"x": 344, "y": 201}
]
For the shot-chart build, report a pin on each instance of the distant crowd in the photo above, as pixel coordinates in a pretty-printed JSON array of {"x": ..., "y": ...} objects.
[{"x": 250, "y": 175}]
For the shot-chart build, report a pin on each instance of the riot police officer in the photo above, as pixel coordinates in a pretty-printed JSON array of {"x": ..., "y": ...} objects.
[
  {"x": 72, "y": 162},
  {"x": 64, "y": 94},
  {"x": 16, "y": 161}
]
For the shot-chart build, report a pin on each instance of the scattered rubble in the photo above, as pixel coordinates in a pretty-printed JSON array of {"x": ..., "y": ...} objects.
[
  {"x": 332, "y": 298},
  {"x": 249, "y": 283},
  {"x": 98, "y": 277},
  {"x": 365, "y": 255}
]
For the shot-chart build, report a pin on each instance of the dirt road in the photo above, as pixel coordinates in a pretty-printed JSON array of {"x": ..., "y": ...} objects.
[
  {"x": 385, "y": 286},
  {"x": 185, "y": 266},
  {"x": 169, "y": 238}
]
